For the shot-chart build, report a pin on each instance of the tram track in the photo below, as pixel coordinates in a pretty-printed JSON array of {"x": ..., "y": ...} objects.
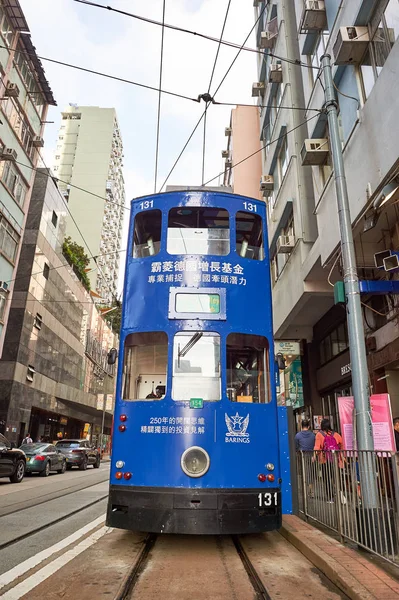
[
  {"x": 45, "y": 526},
  {"x": 131, "y": 581}
]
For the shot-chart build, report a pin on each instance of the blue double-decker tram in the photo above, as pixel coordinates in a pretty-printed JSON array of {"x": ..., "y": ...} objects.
[{"x": 198, "y": 441}]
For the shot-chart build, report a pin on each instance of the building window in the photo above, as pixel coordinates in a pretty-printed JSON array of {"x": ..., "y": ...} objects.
[
  {"x": 334, "y": 343},
  {"x": 38, "y": 321},
  {"x": 319, "y": 49},
  {"x": 46, "y": 271},
  {"x": 13, "y": 181},
  {"x": 9, "y": 240},
  {"x": 147, "y": 233},
  {"x": 198, "y": 230},
  {"x": 30, "y": 373},
  {"x": 196, "y": 365},
  {"x": 283, "y": 158},
  {"x": 28, "y": 76},
  {"x": 382, "y": 39},
  {"x": 3, "y": 303},
  {"x": 54, "y": 219},
  {"x": 249, "y": 236},
  {"x": 145, "y": 364},
  {"x": 7, "y": 31},
  {"x": 247, "y": 371},
  {"x": 279, "y": 260}
]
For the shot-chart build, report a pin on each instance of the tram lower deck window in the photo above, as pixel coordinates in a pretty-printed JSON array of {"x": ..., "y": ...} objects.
[
  {"x": 145, "y": 366},
  {"x": 147, "y": 233},
  {"x": 247, "y": 364},
  {"x": 198, "y": 230},
  {"x": 196, "y": 366}
]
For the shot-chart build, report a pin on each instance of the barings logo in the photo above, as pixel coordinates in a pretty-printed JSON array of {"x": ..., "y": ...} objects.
[{"x": 237, "y": 428}]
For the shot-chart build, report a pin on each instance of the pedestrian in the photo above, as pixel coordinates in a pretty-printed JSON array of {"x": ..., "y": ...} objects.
[
  {"x": 396, "y": 432},
  {"x": 27, "y": 439},
  {"x": 326, "y": 443},
  {"x": 304, "y": 442},
  {"x": 305, "y": 439}
]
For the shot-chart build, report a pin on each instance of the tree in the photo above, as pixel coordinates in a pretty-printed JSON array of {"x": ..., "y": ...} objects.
[
  {"x": 78, "y": 259},
  {"x": 114, "y": 316}
]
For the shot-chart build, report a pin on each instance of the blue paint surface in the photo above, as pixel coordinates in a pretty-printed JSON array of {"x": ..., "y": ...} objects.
[{"x": 158, "y": 431}]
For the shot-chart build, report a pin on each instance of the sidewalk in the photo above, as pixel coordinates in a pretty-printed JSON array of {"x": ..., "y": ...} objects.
[
  {"x": 348, "y": 569},
  {"x": 106, "y": 458}
]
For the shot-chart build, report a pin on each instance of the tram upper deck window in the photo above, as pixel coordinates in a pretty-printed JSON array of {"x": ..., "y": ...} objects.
[
  {"x": 249, "y": 236},
  {"x": 196, "y": 365},
  {"x": 198, "y": 230},
  {"x": 147, "y": 233},
  {"x": 145, "y": 366},
  {"x": 247, "y": 362}
]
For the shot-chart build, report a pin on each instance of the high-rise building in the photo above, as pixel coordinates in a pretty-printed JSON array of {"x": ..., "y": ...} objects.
[
  {"x": 25, "y": 96},
  {"x": 304, "y": 235},
  {"x": 88, "y": 156},
  {"x": 241, "y": 173},
  {"x": 54, "y": 376}
]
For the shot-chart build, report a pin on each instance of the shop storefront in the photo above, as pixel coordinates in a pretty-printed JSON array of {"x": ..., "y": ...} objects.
[
  {"x": 334, "y": 380},
  {"x": 290, "y": 389},
  {"x": 51, "y": 426},
  {"x": 384, "y": 373}
]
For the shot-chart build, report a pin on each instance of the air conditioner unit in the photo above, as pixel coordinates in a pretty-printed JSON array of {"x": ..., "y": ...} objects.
[
  {"x": 227, "y": 131},
  {"x": 225, "y": 153},
  {"x": 314, "y": 16},
  {"x": 37, "y": 141},
  {"x": 9, "y": 154},
  {"x": 267, "y": 39},
  {"x": 285, "y": 244},
  {"x": 258, "y": 89},
  {"x": 391, "y": 263},
  {"x": 12, "y": 90},
  {"x": 379, "y": 258},
  {"x": 276, "y": 73},
  {"x": 267, "y": 183},
  {"x": 314, "y": 151},
  {"x": 350, "y": 45},
  {"x": 3, "y": 286}
]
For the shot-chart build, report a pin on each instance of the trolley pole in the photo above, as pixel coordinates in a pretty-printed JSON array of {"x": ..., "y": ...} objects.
[{"x": 357, "y": 349}]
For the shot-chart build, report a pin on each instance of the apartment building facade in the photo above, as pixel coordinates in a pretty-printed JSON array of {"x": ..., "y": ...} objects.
[
  {"x": 304, "y": 236},
  {"x": 89, "y": 155},
  {"x": 55, "y": 380},
  {"x": 25, "y": 97}
]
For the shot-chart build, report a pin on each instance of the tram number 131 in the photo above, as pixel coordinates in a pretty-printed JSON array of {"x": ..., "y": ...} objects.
[{"x": 267, "y": 499}]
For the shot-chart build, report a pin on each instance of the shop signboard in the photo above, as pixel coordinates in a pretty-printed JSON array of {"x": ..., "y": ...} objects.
[
  {"x": 109, "y": 403},
  {"x": 381, "y": 418},
  {"x": 295, "y": 389},
  {"x": 100, "y": 401},
  {"x": 287, "y": 347}
]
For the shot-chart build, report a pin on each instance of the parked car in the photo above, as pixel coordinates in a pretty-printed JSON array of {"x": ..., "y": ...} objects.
[
  {"x": 12, "y": 461},
  {"x": 79, "y": 453},
  {"x": 43, "y": 458}
]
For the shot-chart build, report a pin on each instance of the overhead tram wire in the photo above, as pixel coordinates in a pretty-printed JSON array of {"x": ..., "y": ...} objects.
[
  {"x": 262, "y": 148},
  {"x": 101, "y": 74},
  {"x": 209, "y": 89},
  {"x": 213, "y": 95},
  {"x": 159, "y": 97},
  {"x": 292, "y": 61},
  {"x": 209, "y": 181}
]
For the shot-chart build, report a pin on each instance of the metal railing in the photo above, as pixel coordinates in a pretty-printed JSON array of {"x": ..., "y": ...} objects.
[{"x": 330, "y": 492}]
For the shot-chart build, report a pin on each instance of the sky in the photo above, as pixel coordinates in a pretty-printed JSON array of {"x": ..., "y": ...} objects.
[{"x": 116, "y": 44}]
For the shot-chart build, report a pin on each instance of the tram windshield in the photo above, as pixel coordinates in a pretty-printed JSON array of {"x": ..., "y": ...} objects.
[
  {"x": 196, "y": 366},
  {"x": 198, "y": 230},
  {"x": 248, "y": 368},
  {"x": 249, "y": 236},
  {"x": 145, "y": 366},
  {"x": 147, "y": 233}
]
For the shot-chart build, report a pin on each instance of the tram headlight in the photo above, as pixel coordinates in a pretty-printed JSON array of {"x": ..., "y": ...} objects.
[
  {"x": 119, "y": 464},
  {"x": 195, "y": 461}
]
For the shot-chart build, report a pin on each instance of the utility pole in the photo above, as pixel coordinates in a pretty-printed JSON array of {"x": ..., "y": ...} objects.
[{"x": 357, "y": 348}]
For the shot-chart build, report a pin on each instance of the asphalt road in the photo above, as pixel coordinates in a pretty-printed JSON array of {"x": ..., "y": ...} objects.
[{"x": 56, "y": 506}]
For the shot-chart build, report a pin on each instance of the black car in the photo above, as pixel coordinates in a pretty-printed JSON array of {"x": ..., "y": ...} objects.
[
  {"x": 12, "y": 461},
  {"x": 79, "y": 453},
  {"x": 43, "y": 458}
]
